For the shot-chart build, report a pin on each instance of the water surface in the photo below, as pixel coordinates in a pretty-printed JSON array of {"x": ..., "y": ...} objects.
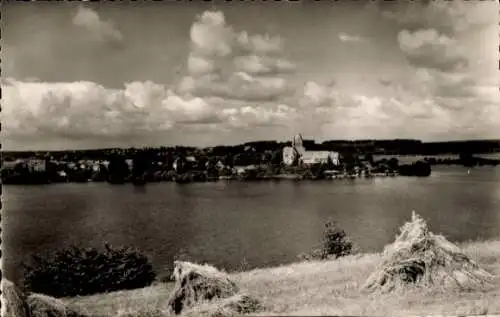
[{"x": 257, "y": 223}]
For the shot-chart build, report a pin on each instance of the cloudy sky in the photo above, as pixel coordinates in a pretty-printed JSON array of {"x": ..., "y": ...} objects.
[{"x": 84, "y": 75}]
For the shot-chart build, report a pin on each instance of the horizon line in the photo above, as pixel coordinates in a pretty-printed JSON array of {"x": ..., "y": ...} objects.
[{"x": 245, "y": 143}]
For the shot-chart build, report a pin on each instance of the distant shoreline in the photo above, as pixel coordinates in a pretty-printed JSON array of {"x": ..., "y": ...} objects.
[
  {"x": 375, "y": 146},
  {"x": 233, "y": 178},
  {"x": 247, "y": 164}
]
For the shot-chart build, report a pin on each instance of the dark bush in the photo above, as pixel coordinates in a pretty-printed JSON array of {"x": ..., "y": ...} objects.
[
  {"x": 76, "y": 271},
  {"x": 335, "y": 244},
  {"x": 419, "y": 168}
]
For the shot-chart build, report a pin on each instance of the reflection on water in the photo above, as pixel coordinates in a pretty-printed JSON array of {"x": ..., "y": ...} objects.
[{"x": 266, "y": 223}]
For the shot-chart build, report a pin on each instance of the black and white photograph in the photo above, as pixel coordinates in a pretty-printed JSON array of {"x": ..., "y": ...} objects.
[{"x": 250, "y": 158}]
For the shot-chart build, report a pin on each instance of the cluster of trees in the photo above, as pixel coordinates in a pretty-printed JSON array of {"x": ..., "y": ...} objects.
[
  {"x": 465, "y": 159},
  {"x": 385, "y": 147}
]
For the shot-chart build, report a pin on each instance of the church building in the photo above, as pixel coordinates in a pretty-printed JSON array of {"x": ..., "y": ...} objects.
[{"x": 297, "y": 153}]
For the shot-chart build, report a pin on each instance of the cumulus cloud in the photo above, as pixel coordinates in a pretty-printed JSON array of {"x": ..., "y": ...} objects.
[
  {"x": 350, "y": 38},
  {"x": 449, "y": 45},
  {"x": 198, "y": 66},
  {"x": 447, "y": 102},
  {"x": 448, "y": 36},
  {"x": 333, "y": 105},
  {"x": 446, "y": 88},
  {"x": 88, "y": 110},
  {"x": 429, "y": 49},
  {"x": 238, "y": 86},
  {"x": 251, "y": 117},
  {"x": 237, "y": 81},
  {"x": 81, "y": 109},
  {"x": 432, "y": 111},
  {"x": 228, "y": 73},
  {"x": 85, "y": 109},
  {"x": 260, "y": 43},
  {"x": 328, "y": 111},
  {"x": 262, "y": 65},
  {"x": 447, "y": 17},
  {"x": 100, "y": 30},
  {"x": 210, "y": 36},
  {"x": 226, "y": 63}
]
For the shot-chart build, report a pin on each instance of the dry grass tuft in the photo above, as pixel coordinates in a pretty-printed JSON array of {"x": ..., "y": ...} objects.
[
  {"x": 46, "y": 306},
  {"x": 420, "y": 258},
  {"x": 13, "y": 300},
  {"x": 150, "y": 301},
  {"x": 233, "y": 306}
]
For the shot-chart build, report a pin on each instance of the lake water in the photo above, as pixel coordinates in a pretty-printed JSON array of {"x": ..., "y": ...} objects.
[{"x": 230, "y": 223}]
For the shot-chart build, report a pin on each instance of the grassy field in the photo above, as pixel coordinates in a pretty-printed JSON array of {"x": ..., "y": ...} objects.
[{"x": 323, "y": 288}]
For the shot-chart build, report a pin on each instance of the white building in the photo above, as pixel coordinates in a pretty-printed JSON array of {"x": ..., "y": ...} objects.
[
  {"x": 36, "y": 165},
  {"x": 130, "y": 163},
  {"x": 298, "y": 153},
  {"x": 289, "y": 155}
]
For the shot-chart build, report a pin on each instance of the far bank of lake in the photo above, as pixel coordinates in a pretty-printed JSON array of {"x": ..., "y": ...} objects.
[{"x": 244, "y": 224}]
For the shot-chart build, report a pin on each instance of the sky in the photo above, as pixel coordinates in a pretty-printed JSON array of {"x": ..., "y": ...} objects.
[{"x": 91, "y": 75}]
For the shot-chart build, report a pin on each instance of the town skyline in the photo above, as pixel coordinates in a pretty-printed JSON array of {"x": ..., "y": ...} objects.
[{"x": 113, "y": 75}]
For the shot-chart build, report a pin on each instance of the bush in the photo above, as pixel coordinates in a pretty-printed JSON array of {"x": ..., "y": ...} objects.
[
  {"x": 419, "y": 168},
  {"x": 335, "y": 244},
  {"x": 75, "y": 271}
]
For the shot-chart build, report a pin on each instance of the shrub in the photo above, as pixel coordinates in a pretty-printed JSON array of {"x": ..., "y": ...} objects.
[
  {"x": 335, "y": 244},
  {"x": 419, "y": 168},
  {"x": 76, "y": 271}
]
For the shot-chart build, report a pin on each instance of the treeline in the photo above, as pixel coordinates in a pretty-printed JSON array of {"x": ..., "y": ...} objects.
[
  {"x": 414, "y": 147},
  {"x": 380, "y": 147}
]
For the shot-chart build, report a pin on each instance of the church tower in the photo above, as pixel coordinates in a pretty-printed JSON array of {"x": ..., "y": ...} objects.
[{"x": 297, "y": 144}]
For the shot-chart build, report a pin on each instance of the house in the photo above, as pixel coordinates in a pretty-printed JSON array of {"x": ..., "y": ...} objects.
[
  {"x": 289, "y": 155},
  {"x": 36, "y": 165},
  {"x": 10, "y": 164},
  {"x": 191, "y": 159},
  {"x": 184, "y": 163},
  {"x": 130, "y": 163},
  {"x": 297, "y": 153}
]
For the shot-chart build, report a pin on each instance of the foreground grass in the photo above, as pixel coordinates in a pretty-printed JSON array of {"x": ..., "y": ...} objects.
[{"x": 322, "y": 288}]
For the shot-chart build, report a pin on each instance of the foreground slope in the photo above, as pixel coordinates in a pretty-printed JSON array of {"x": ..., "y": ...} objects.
[{"x": 323, "y": 288}]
